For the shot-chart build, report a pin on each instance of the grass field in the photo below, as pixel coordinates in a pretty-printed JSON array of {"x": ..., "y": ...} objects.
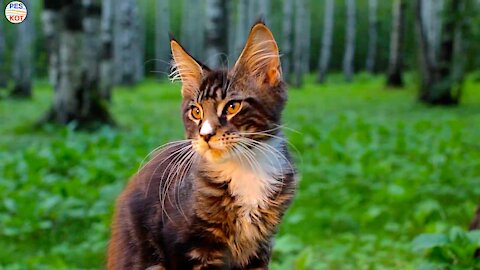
[{"x": 377, "y": 169}]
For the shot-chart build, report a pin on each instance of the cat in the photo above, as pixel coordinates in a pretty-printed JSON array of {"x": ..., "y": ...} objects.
[{"x": 214, "y": 200}]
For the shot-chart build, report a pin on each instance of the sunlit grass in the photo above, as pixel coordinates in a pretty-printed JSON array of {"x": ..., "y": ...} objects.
[{"x": 377, "y": 168}]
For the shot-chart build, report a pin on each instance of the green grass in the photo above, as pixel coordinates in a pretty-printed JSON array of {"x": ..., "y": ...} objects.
[{"x": 377, "y": 169}]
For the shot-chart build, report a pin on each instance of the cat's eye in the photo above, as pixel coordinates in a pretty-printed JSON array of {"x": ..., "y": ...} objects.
[
  {"x": 196, "y": 112},
  {"x": 233, "y": 107}
]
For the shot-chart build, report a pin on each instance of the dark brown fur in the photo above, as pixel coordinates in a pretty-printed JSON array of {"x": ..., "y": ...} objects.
[{"x": 189, "y": 216}]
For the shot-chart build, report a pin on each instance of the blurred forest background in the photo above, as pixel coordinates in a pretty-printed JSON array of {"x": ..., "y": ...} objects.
[{"x": 384, "y": 117}]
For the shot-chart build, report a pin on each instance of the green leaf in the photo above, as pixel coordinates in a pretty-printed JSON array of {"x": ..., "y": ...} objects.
[{"x": 427, "y": 241}]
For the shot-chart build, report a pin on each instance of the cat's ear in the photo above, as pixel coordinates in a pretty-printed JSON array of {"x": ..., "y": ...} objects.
[
  {"x": 187, "y": 68},
  {"x": 260, "y": 57}
]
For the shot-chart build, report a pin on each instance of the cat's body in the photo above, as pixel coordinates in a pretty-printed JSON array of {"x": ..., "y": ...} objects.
[{"x": 214, "y": 201}]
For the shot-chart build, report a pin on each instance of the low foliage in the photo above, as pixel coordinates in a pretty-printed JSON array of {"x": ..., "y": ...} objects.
[{"x": 377, "y": 170}]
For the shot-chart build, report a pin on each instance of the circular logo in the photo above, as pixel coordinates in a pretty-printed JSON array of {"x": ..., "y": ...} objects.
[{"x": 16, "y": 12}]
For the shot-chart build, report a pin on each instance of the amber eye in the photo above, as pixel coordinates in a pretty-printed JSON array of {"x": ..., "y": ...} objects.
[
  {"x": 233, "y": 107},
  {"x": 196, "y": 112}
]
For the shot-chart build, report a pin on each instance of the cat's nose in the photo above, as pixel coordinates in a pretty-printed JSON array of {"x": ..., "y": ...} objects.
[
  {"x": 207, "y": 137},
  {"x": 207, "y": 131}
]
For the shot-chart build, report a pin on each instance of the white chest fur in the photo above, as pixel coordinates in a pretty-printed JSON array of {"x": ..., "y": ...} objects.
[
  {"x": 253, "y": 181},
  {"x": 254, "y": 176}
]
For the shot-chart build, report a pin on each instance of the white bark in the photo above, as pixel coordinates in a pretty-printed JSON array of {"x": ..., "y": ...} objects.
[
  {"x": 300, "y": 41},
  {"x": 128, "y": 43},
  {"x": 67, "y": 93},
  {"x": 326, "y": 48},
  {"x": 231, "y": 32},
  {"x": 51, "y": 22},
  {"x": 242, "y": 26},
  {"x": 77, "y": 48},
  {"x": 187, "y": 24},
  {"x": 198, "y": 25},
  {"x": 106, "y": 62},
  {"x": 162, "y": 44},
  {"x": 307, "y": 37},
  {"x": 92, "y": 45},
  {"x": 432, "y": 23},
  {"x": 264, "y": 10},
  {"x": 23, "y": 56},
  {"x": 348, "y": 58},
  {"x": 394, "y": 76},
  {"x": 372, "y": 35},
  {"x": 192, "y": 36},
  {"x": 252, "y": 12},
  {"x": 3, "y": 78},
  {"x": 287, "y": 35},
  {"x": 216, "y": 33}
]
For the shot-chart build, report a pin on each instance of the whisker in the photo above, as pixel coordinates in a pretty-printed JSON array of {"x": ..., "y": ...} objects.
[{"x": 163, "y": 189}]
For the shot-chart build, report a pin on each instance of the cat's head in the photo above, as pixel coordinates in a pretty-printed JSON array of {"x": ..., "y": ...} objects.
[{"x": 225, "y": 111}]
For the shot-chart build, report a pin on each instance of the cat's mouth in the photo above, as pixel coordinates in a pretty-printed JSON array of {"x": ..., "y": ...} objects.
[{"x": 213, "y": 151}]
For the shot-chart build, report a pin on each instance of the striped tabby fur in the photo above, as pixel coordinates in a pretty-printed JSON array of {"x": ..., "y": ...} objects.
[{"x": 214, "y": 200}]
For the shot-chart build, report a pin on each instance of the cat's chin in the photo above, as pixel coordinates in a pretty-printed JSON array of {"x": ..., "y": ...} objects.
[{"x": 216, "y": 156}]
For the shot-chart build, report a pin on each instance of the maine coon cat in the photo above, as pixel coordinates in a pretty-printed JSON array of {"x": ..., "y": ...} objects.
[{"x": 214, "y": 200}]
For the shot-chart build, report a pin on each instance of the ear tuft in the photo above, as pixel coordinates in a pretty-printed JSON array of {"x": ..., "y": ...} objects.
[
  {"x": 186, "y": 68},
  {"x": 260, "y": 56}
]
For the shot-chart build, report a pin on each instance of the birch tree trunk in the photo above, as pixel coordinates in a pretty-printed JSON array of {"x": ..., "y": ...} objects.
[
  {"x": 3, "y": 78},
  {"x": 187, "y": 24},
  {"x": 52, "y": 24},
  {"x": 242, "y": 26},
  {"x": 192, "y": 34},
  {"x": 307, "y": 37},
  {"x": 395, "y": 66},
  {"x": 300, "y": 40},
  {"x": 264, "y": 10},
  {"x": 287, "y": 36},
  {"x": 77, "y": 97},
  {"x": 106, "y": 55},
  {"x": 199, "y": 15},
  {"x": 372, "y": 35},
  {"x": 475, "y": 225},
  {"x": 327, "y": 36},
  {"x": 348, "y": 58},
  {"x": 231, "y": 32},
  {"x": 162, "y": 44},
  {"x": 128, "y": 43},
  {"x": 23, "y": 57},
  {"x": 441, "y": 69},
  {"x": 252, "y": 12},
  {"x": 216, "y": 38}
]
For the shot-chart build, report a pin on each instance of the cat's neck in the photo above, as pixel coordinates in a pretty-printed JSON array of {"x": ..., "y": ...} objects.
[{"x": 255, "y": 176}]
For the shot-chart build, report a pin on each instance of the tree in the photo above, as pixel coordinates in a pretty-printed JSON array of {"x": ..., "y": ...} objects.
[
  {"x": 287, "y": 35},
  {"x": 299, "y": 50},
  {"x": 128, "y": 43},
  {"x": 162, "y": 42},
  {"x": 327, "y": 36},
  {"x": 307, "y": 38},
  {"x": 441, "y": 70},
  {"x": 189, "y": 21},
  {"x": 264, "y": 10},
  {"x": 232, "y": 24},
  {"x": 349, "y": 53},
  {"x": 242, "y": 25},
  {"x": 372, "y": 35},
  {"x": 23, "y": 57},
  {"x": 106, "y": 55},
  {"x": 395, "y": 65},
  {"x": 3, "y": 78},
  {"x": 51, "y": 23},
  {"x": 77, "y": 97},
  {"x": 475, "y": 225},
  {"x": 216, "y": 38}
]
